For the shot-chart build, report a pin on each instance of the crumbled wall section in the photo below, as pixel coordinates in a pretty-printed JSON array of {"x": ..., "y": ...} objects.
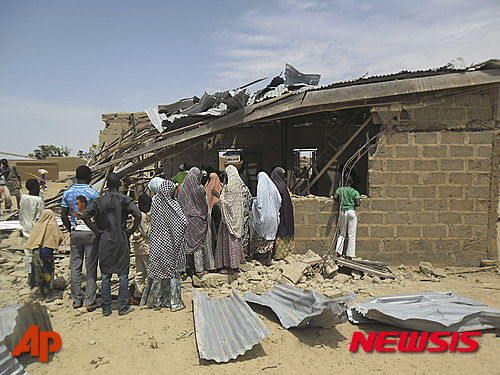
[{"x": 430, "y": 197}]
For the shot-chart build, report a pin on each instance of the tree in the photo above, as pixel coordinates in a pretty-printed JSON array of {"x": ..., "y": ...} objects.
[
  {"x": 45, "y": 151},
  {"x": 83, "y": 155}
]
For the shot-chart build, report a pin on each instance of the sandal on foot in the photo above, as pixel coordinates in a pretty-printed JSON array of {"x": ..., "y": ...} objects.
[{"x": 130, "y": 309}]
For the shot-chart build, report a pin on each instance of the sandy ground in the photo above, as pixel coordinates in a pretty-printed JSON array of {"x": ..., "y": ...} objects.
[{"x": 146, "y": 341}]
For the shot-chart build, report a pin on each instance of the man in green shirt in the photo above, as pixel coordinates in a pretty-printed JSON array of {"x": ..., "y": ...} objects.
[
  {"x": 348, "y": 199},
  {"x": 181, "y": 176}
]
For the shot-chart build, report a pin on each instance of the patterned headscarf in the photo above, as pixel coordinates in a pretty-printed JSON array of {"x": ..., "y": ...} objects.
[
  {"x": 192, "y": 195},
  {"x": 266, "y": 208},
  {"x": 214, "y": 183},
  {"x": 45, "y": 233},
  {"x": 286, "y": 227},
  {"x": 231, "y": 202},
  {"x": 154, "y": 184},
  {"x": 167, "y": 241}
]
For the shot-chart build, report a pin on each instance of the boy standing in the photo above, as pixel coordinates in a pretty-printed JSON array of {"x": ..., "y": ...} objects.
[
  {"x": 30, "y": 210},
  {"x": 110, "y": 213},
  {"x": 349, "y": 199},
  {"x": 140, "y": 242},
  {"x": 83, "y": 241}
]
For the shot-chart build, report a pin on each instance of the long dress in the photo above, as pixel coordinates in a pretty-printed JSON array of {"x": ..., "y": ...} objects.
[
  {"x": 285, "y": 240},
  {"x": 192, "y": 198},
  {"x": 213, "y": 216},
  {"x": 247, "y": 207},
  {"x": 229, "y": 251},
  {"x": 167, "y": 251},
  {"x": 265, "y": 218}
]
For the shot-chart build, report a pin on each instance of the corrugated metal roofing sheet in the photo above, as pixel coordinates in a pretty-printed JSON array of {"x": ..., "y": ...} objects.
[
  {"x": 429, "y": 312},
  {"x": 225, "y": 328},
  {"x": 9, "y": 365},
  {"x": 297, "y": 307}
]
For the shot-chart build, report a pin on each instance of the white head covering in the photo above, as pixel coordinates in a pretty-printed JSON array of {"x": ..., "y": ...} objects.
[
  {"x": 154, "y": 184},
  {"x": 266, "y": 208},
  {"x": 231, "y": 202}
]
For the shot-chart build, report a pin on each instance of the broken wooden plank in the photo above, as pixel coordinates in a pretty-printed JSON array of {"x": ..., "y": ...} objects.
[{"x": 480, "y": 269}]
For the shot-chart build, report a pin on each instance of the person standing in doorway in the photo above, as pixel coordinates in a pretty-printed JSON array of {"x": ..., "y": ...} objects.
[
  {"x": 110, "y": 213},
  {"x": 348, "y": 198},
  {"x": 83, "y": 241}
]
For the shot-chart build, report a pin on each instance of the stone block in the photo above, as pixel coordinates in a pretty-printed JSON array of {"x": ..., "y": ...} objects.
[
  {"x": 333, "y": 293},
  {"x": 435, "y": 151},
  {"x": 479, "y": 165},
  {"x": 361, "y": 232},
  {"x": 319, "y": 219},
  {"x": 398, "y": 138},
  {"x": 461, "y": 151},
  {"x": 476, "y": 218},
  {"x": 405, "y": 179},
  {"x": 424, "y": 192},
  {"x": 423, "y": 245},
  {"x": 328, "y": 205},
  {"x": 306, "y": 231},
  {"x": 484, "y": 151},
  {"x": 425, "y": 138},
  {"x": 367, "y": 246},
  {"x": 311, "y": 258},
  {"x": 319, "y": 246},
  {"x": 461, "y": 205},
  {"x": 425, "y": 165},
  {"x": 481, "y": 205},
  {"x": 305, "y": 204},
  {"x": 376, "y": 165},
  {"x": 382, "y": 231},
  {"x": 464, "y": 179},
  {"x": 453, "y": 138},
  {"x": 383, "y": 204},
  {"x": 371, "y": 218},
  {"x": 433, "y": 178},
  {"x": 449, "y": 218},
  {"x": 480, "y": 231},
  {"x": 485, "y": 137},
  {"x": 450, "y": 192},
  {"x": 381, "y": 178},
  {"x": 447, "y": 245},
  {"x": 481, "y": 178},
  {"x": 377, "y": 192},
  {"x": 423, "y": 218},
  {"x": 397, "y": 192},
  {"x": 395, "y": 244},
  {"x": 398, "y": 165},
  {"x": 434, "y": 231},
  {"x": 300, "y": 219},
  {"x": 477, "y": 192},
  {"x": 460, "y": 231},
  {"x": 410, "y": 205},
  {"x": 452, "y": 165},
  {"x": 385, "y": 151},
  {"x": 475, "y": 245},
  {"x": 406, "y": 151},
  {"x": 480, "y": 113},
  {"x": 408, "y": 231},
  {"x": 294, "y": 271},
  {"x": 397, "y": 218},
  {"x": 435, "y": 204}
]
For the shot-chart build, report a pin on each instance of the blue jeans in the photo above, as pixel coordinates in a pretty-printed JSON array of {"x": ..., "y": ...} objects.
[{"x": 122, "y": 293}]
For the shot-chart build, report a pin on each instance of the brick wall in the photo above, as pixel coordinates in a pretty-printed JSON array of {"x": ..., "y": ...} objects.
[{"x": 429, "y": 197}]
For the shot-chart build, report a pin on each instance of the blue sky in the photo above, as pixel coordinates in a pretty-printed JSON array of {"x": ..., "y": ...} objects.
[{"x": 64, "y": 63}]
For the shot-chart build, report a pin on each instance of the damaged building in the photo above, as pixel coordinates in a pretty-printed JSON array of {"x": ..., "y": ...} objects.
[{"x": 424, "y": 148}]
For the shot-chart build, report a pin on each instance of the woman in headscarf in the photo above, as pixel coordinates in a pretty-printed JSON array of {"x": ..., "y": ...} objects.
[
  {"x": 229, "y": 251},
  {"x": 154, "y": 184},
  {"x": 193, "y": 201},
  {"x": 247, "y": 207},
  {"x": 44, "y": 239},
  {"x": 285, "y": 240},
  {"x": 167, "y": 251},
  {"x": 214, "y": 215},
  {"x": 265, "y": 218}
]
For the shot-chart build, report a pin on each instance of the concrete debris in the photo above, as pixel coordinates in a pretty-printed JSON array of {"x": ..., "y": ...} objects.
[
  {"x": 294, "y": 271},
  {"x": 311, "y": 258},
  {"x": 426, "y": 268},
  {"x": 212, "y": 280}
]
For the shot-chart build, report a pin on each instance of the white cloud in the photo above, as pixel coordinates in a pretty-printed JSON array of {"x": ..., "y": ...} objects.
[{"x": 345, "y": 39}]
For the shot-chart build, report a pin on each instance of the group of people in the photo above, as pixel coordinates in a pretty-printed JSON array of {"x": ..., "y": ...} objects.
[{"x": 185, "y": 227}]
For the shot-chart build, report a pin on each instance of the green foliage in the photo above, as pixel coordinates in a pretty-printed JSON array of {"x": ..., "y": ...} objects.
[
  {"x": 83, "y": 155},
  {"x": 45, "y": 151}
]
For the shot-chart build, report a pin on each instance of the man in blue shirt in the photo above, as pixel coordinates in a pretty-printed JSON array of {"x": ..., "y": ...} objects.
[{"x": 83, "y": 240}]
